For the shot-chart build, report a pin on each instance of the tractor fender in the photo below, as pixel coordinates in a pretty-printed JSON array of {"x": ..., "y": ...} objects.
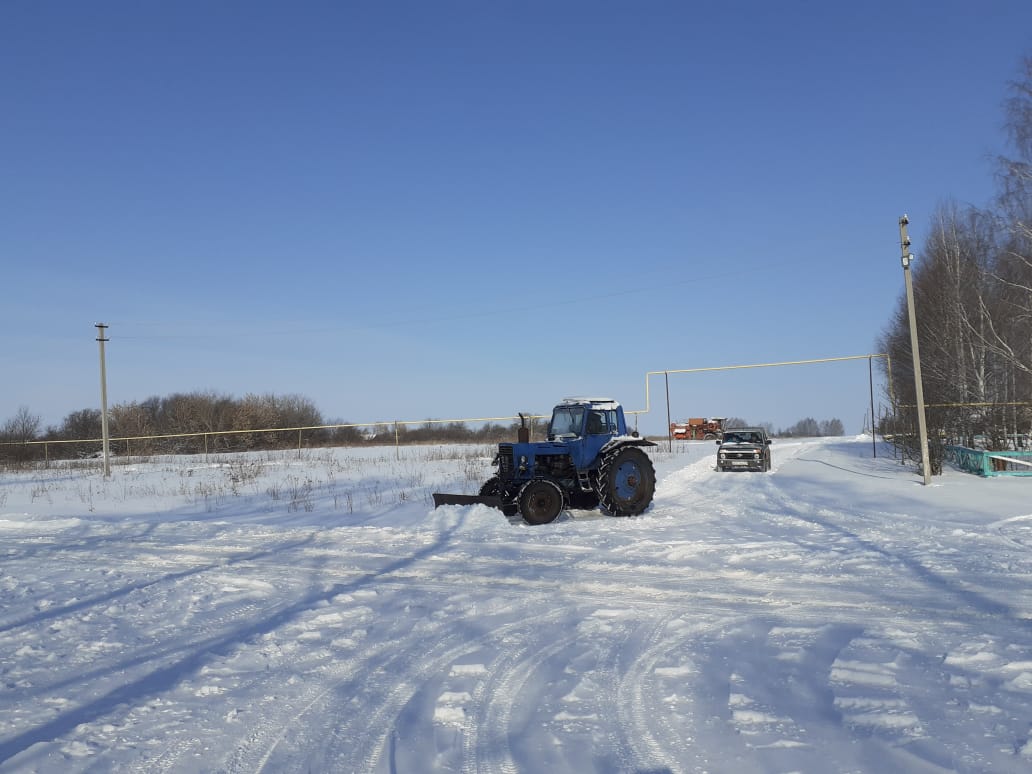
[{"x": 623, "y": 440}]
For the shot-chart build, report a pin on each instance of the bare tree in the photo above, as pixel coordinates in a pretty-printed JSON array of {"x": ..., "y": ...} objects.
[
  {"x": 1011, "y": 335},
  {"x": 23, "y": 426},
  {"x": 80, "y": 425},
  {"x": 832, "y": 427},
  {"x": 1014, "y": 173},
  {"x": 20, "y": 429},
  {"x": 255, "y": 412},
  {"x": 135, "y": 420},
  {"x": 973, "y": 292}
]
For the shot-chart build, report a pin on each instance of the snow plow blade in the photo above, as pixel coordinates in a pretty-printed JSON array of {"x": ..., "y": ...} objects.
[{"x": 454, "y": 499}]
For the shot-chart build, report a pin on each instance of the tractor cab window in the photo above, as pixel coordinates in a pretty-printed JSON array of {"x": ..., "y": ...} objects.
[
  {"x": 566, "y": 420},
  {"x": 601, "y": 422}
]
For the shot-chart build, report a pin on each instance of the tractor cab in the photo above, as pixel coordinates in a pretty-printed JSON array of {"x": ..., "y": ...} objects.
[
  {"x": 581, "y": 417},
  {"x": 584, "y": 426}
]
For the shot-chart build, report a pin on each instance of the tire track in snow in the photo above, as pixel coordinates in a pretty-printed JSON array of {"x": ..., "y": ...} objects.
[
  {"x": 387, "y": 677},
  {"x": 868, "y": 701},
  {"x": 624, "y": 585},
  {"x": 613, "y": 578},
  {"x": 641, "y": 713},
  {"x": 917, "y": 580},
  {"x": 425, "y": 668},
  {"x": 489, "y": 730}
]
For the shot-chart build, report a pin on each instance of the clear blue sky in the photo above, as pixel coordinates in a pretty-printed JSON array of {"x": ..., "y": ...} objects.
[{"x": 452, "y": 209}]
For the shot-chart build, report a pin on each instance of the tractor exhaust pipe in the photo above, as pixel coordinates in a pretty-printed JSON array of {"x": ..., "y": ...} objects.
[{"x": 523, "y": 433}]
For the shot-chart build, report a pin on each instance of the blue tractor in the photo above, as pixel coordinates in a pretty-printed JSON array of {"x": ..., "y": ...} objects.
[{"x": 589, "y": 460}]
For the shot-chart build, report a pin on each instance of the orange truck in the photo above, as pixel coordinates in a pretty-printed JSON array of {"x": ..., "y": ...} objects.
[{"x": 698, "y": 429}]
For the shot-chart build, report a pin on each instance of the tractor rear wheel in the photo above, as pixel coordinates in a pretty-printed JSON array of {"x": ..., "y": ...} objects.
[
  {"x": 626, "y": 481},
  {"x": 540, "y": 501}
]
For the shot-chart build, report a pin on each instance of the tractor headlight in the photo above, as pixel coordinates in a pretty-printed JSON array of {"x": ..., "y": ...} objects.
[
  {"x": 723, "y": 456},
  {"x": 756, "y": 454},
  {"x": 523, "y": 464}
]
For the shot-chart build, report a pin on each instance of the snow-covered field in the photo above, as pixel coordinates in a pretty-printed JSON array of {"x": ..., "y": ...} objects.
[{"x": 270, "y": 613}]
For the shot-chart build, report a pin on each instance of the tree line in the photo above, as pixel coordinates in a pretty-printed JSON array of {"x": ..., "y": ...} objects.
[
  {"x": 811, "y": 428},
  {"x": 804, "y": 428},
  {"x": 213, "y": 422},
  {"x": 972, "y": 284}
]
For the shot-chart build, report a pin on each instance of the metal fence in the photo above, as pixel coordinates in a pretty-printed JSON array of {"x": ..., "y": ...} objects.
[{"x": 991, "y": 463}]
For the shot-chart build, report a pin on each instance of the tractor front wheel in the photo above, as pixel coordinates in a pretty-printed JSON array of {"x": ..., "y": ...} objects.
[
  {"x": 626, "y": 482},
  {"x": 540, "y": 501},
  {"x": 493, "y": 488}
]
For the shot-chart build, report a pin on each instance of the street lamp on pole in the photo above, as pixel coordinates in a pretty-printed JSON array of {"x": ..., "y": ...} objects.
[{"x": 922, "y": 428}]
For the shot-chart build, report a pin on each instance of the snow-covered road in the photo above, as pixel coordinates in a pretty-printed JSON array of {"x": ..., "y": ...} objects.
[{"x": 275, "y": 614}]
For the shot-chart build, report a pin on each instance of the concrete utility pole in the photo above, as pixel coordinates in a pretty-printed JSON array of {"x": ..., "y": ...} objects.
[
  {"x": 922, "y": 428},
  {"x": 101, "y": 338},
  {"x": 874, "y": 423}
]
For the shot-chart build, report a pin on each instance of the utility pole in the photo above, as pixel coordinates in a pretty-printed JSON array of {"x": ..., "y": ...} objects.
[
  {"x": 874, "y": 424},
  {"x": 101, "y": 338},
  {"x": 922, "y": 428}
]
